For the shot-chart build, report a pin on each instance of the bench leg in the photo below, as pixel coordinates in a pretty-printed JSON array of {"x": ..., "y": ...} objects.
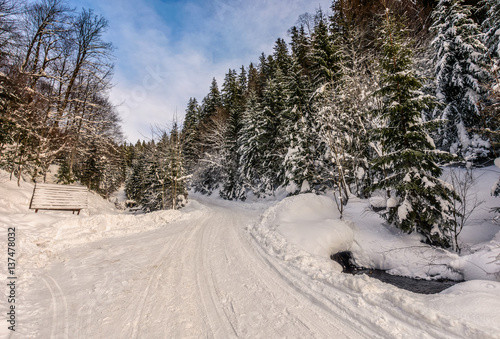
[
  {"x": 78, "y": 212},
  {"x": 36, "y": 211}
]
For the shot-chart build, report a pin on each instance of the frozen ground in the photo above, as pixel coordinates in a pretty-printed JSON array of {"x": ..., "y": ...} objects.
[{"x": 225, "y": 269}]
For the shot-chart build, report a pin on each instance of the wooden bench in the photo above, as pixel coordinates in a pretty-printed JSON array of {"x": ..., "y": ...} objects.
[{"x": 59, "y": 198}]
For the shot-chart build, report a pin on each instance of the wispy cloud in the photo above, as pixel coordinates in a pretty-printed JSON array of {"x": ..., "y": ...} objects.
[{"x": 168, "y": 51}]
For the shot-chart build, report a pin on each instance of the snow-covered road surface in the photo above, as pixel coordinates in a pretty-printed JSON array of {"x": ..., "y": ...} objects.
[
  {"x": 207, "y": 277},
  {"x": 197, "y": 278}
]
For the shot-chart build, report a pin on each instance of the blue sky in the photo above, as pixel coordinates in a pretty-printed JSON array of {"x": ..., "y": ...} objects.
[{"x": 169, "y": 50}]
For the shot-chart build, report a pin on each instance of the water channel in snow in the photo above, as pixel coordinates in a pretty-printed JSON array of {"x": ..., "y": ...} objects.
[{"x": 415, "y": 285}]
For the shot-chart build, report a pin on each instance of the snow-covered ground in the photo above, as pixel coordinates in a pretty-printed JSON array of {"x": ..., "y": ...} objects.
[{"x": 230, "y": 269}]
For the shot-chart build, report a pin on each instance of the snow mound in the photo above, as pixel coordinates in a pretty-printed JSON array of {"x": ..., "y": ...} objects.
[
  {"x": 385, "y": 247},
  {"x": 302, "y": 227},
  {"x": 476, "y": 301},
  {"x": 312, "y": 222},
  {"x": 483, "y": 263}
]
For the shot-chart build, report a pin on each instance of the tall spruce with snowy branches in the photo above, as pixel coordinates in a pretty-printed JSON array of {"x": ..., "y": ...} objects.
[
  {"x": 190, "y": 135},
  {"x": 490, "y": 113},
  {"x": 232, "y": 98},
  {"x": 299, "y": 160},
  {"x": 491, "y": 28},
  {"x": 417, "y": 199},
  {"x": 459, "y": 55},
  {"x": 252, "y": 146}
]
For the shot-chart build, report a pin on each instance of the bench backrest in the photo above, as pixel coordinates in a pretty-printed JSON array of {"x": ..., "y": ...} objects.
[{"x": 59, "y": 197}]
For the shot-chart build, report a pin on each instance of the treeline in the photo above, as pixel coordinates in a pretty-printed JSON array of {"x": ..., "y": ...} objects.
[
  {"x": 371, "y": 97},
  {"x": 56, "y": 72},
  {"x": 156, "y": 177}
]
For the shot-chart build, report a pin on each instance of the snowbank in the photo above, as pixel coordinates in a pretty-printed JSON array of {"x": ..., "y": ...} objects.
[
  {"x": 383, "y": 247},
  {"x": 483, "y": 264},
  {"x": 305, "y": 225},
  {"x": 309, "y": 224},
  {"x": 45, "y": 234},
  {"x": 302, "y": 231}
]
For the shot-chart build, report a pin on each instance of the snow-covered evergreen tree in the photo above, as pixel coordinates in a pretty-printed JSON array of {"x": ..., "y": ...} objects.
[
  {"x": 490, "y": 113},
  {"x": 191, "y": 134},
  {"x": 324, "y": 54},
  {"x": 491, "y": 28},
  {"x": 299, "y": 135},
  {"x": 175, "y": 175},
  {"x": 417, "y": 199},
  {"x": 252, "y": 146},
  {"x": 211, "y": 102},
  {"x": 232, "y": 97},
  {"x": 459, "y": 74},
  {"x": 209, "y": 173},
  {"x": 345, "y": 115},
  {"x": 273, "y": 143}
]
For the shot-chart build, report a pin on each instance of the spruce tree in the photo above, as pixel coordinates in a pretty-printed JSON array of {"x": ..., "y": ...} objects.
[
  {"x": 282, "y": 58},
  {"x": 300, "y": 46},
  {"x": 418, "y": 199},
  {"x": 252, "y": 146},
  {"x": 459, "y": 75},
  {"x": 191, "y": 135},
  {"x": 490, "y": 113},
  {"x": 176, "y": 174},
  {"x": 300, "y": 136},
  {"x": 211, "y": 103},
  {"x": 233, "y": 104},
  {"x": 272, "y": 141},
  {"x": 324, "y": 54},
  {"x": 491, "y": 29}
]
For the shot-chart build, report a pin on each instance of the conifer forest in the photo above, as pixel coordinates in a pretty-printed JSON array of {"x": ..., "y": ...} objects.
[{"x": 362, "y": 97}]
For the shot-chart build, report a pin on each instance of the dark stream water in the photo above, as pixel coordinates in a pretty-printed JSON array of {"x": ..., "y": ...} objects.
[{"x": 415, "y": 285}]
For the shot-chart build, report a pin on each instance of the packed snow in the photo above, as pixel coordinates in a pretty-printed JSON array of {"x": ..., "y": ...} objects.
[{"x": 232, "y": 269}]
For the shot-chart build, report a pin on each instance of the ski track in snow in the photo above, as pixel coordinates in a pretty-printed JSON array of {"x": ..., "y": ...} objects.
[{"x": 208, "y": 277}]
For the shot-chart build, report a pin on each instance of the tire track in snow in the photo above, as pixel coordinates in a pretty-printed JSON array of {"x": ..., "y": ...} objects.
[
  {"x": 58, "y": 328},
  {"x": 272, "y": 296},
  {"x": 314, "y": 318},
  {"x": 157, "y": 267},
  {"x": 216, "y": 318}
]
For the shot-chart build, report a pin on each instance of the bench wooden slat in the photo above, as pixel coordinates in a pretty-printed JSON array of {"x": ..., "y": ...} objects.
[
  {"x": 69, "y": 198},
  {"x": 59, "y": 197}
]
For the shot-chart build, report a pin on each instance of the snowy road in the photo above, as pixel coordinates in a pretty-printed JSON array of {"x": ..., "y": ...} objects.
[
  {"x": 199, "y": 278},
  {"x": 204, "y": 277}
]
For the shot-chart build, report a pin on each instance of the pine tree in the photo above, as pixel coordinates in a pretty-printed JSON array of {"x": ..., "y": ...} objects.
[
  {"x": 300, "y": 160},
  {"x": 209, "y": 173},
  {"x": 324, "y": 54},
  {"x": 233, "y": 104},
  {"x": 490, "y": 110},
  {"x": 281, "y": 57},
  {"x": 491, "y": 29},
  {"x": 345, "y": 122},
  {"x": 272, "y": 141},
  {"x": 418, "y": 199},
  {"x": 252, "y": 146},
  {"x": 191, "y": 135},
  {"x": 300, "y": 46},
  {"x": 459, "y": 74},
  {"x": 211, "y": 103},
  {"x": 253, "y": 80},
  {"x": 176, "y": 175}
]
